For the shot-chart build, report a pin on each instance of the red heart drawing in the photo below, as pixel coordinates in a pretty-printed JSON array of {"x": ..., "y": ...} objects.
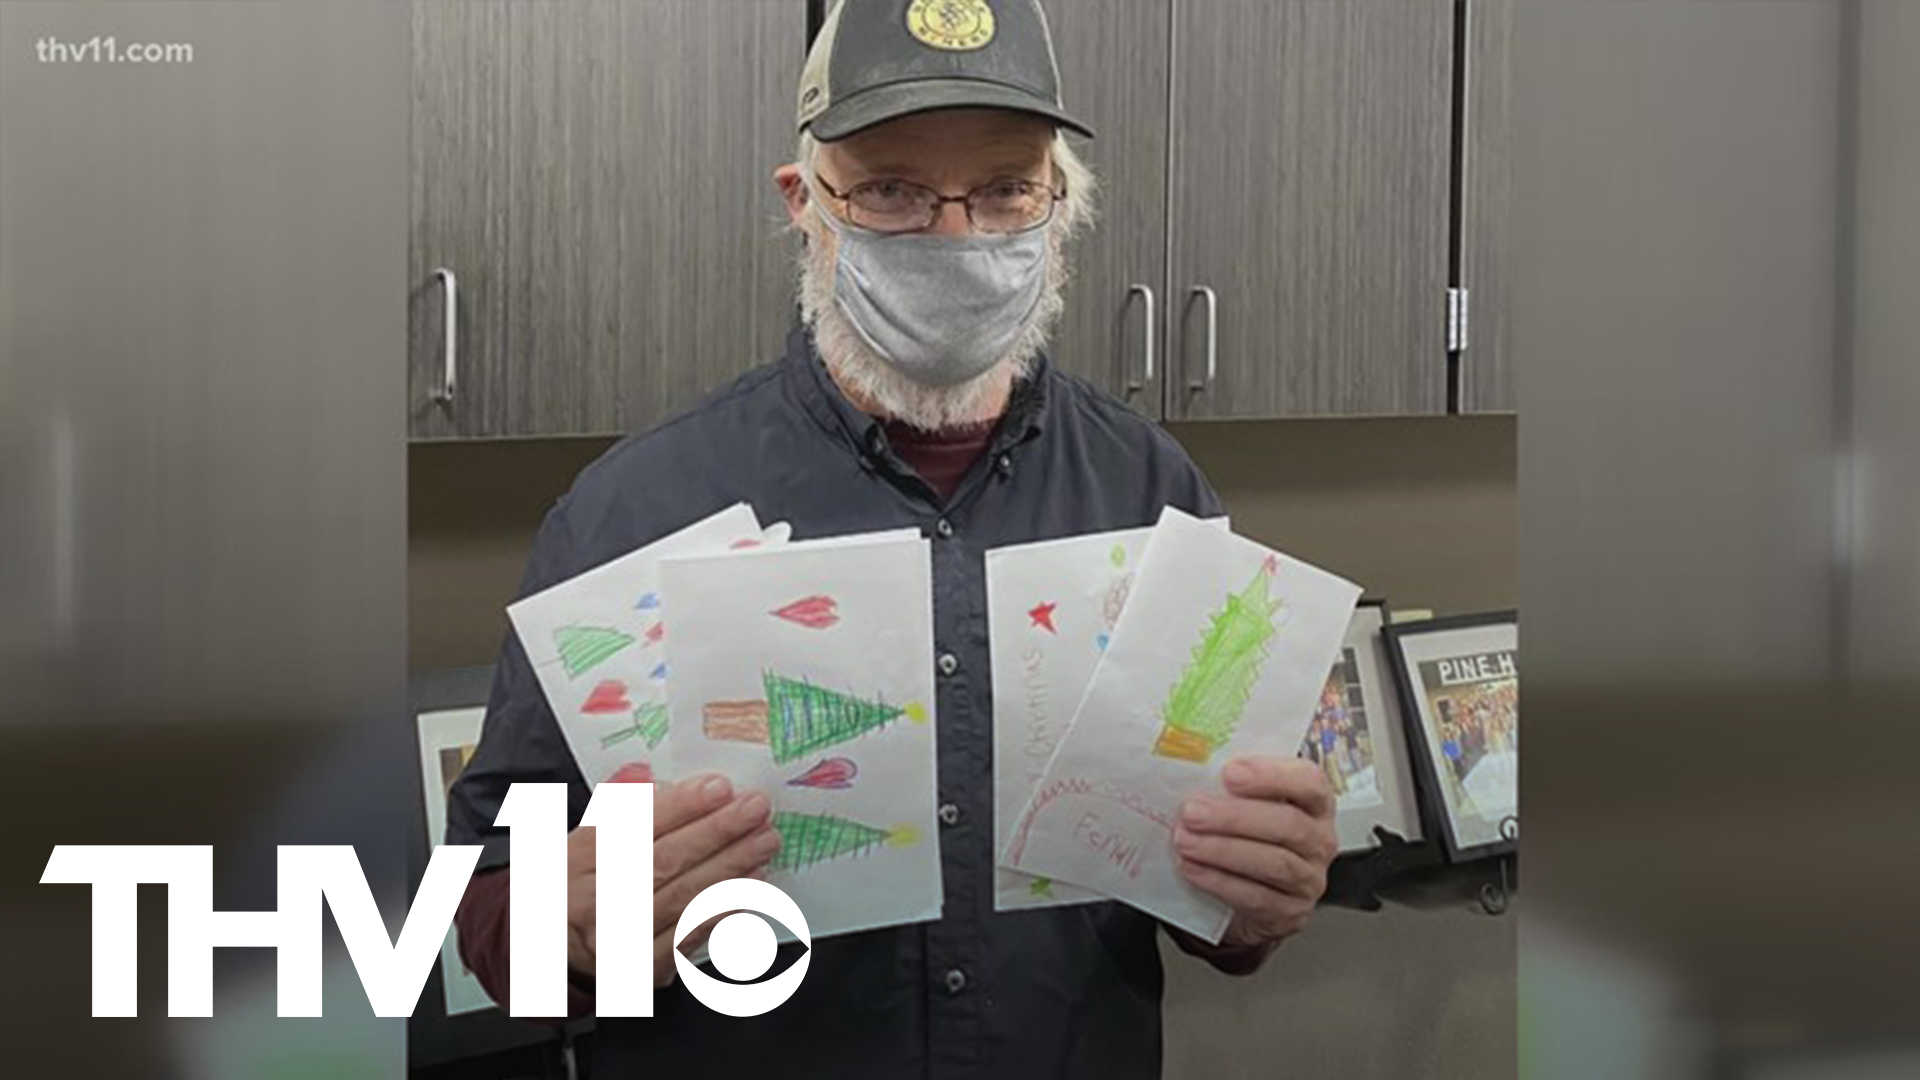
[
  {"x": 609, "y": 697},
  {"x": 814, "y": 613}
]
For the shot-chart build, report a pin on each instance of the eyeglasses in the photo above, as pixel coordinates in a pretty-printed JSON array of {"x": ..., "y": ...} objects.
[{"x": 901, "y": 206}]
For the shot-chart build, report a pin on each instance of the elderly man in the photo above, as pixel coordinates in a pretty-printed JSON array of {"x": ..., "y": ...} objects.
[{"x": 935, "y": 192}]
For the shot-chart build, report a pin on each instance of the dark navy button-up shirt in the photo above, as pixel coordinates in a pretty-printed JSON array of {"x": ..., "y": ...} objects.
[{"x": 1060, "y": 992}]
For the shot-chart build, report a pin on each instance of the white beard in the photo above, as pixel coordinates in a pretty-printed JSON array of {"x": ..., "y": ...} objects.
[{"x": 871, "y": 381}]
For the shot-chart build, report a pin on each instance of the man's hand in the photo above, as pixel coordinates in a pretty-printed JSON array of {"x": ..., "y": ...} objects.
[
  {"x": 1263, "y": 847},
  {"x": 702, "y": 834}
]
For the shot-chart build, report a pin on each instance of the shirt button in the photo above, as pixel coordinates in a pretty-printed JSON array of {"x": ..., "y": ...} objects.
[
  {"x": 1005, "y": 464},
  {"x": 956, "y": 981},
  {"x": 949, "y": 663},
  {"x": 949, "y": 814},
  {"x": 944, "y": 528}
]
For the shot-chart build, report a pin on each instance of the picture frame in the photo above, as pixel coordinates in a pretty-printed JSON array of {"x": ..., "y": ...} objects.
[
  {"x": 437, "y": 1037},
  {"x": 1358, "y": 736},
  {"x": 1458, "y": 680},
  {"x": 448, "y": 738}
]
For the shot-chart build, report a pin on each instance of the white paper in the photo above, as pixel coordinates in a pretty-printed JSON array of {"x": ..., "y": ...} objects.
[
  {"x": 1051, "y": 610},
  {"x": 836, "y": 637},
  {"x": 597, "y": 645},
  {"x": 447, "y": 742},
  {"x": 1211, "y": 616}
]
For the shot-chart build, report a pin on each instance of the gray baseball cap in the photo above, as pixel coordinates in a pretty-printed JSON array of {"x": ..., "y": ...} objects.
[{"x": 878, "y": 60}]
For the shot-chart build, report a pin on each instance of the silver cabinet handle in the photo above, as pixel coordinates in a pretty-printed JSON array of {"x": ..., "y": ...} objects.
[
  {"x": 1145, "y": 293},
  {"x": 449, "y": 356},
  {"x": 1213, "y": 334}
]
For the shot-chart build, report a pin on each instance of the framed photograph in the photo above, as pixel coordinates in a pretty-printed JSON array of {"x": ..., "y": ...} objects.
[
  {"x": 447, "y": 740},
  {"x": 454, "y": 1020},
  {"x": 1358, "y": 739},
  {"x": 1459, "y": 684}
]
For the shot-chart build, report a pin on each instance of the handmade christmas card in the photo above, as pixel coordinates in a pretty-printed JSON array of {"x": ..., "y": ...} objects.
[
  {"x": 1222, "y": 651},
  {"x": 596, "y": 643},
  {"x": 806, "y": 672}
]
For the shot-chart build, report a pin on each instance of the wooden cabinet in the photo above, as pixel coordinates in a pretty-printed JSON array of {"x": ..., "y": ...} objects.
[
  {"x": 1114, "y": 75},
  {"x": 598, "y": 177},
  {"x": 1486, "y": 380},
  {"x": 459, "y": 219},
  {"x": 1310, "y": 195},
  {"x": 1290, "y": 189},
  {"x": 1278, "y": 173}
]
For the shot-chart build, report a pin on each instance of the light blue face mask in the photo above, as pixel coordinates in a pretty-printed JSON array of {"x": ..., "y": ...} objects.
[{"x": 941, "y": 310}]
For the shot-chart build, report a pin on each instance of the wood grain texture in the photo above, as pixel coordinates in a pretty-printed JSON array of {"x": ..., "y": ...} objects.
[
  {"x": 1487, "y": 382},
  {"x": 459, "y": 213},
  {"x": 564, "y": 192},
  {"x": 706, "y": 263},
  {"x": 1310, "y": 189},
  {"x": 1114, "y": 75},
  {"x": 599, "y": 174}
]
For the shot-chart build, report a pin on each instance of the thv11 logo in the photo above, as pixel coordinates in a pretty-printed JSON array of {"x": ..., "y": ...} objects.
[{"x": 393, "y": 973}]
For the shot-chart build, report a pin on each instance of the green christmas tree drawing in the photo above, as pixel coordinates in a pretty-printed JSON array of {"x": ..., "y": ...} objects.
[
  {"x": 582, "y": 648},
  {"x": 806, "y": 839},
  {"x": 797, "y": 718},
  {"x": 649, "y": 724},
  {"x": 1205, "y": 705}
]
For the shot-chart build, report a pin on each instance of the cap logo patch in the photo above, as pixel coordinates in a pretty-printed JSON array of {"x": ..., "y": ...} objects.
[{"x": 954, "y": 25}]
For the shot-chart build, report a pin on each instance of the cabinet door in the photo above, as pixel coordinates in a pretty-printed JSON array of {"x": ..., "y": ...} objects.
[
  {"x": 1114, "y": 72},
  {"x": 1311, "y": 194},
  {"x": 1486, "y": 368},
  {"x": 565, "y": 194},
  {"x": 599, "y": 177},
  {"x": 707, "y": 102},
  {"x": 459, "y": 204}
]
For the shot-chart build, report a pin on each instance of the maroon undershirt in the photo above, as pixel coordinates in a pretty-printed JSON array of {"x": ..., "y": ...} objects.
[{"x": 942, "y": 459}]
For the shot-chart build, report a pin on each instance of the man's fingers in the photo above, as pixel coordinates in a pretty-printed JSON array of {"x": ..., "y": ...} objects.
[
  {"x": 1270, "y": 822},
  {"x": 738, "y": 859},
  {"x": 679, "y": 851},
  {"x": 674, "y": 805},
  {"x": 1274, "y": 914},
  {"x": 1301, "y": 783},
  {"x": 583, "y": 851},
  {"x": 1266, "y": 864}
]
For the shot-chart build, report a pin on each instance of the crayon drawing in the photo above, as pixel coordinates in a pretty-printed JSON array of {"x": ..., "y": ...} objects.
[
  {"x": 1205, "y": 706},
  {"x": 583, "y": 648},
  {"x": 649, "y": 726},
  {"x": 584, "y": 639},
  {"x": 809, "y": 839},
  {"x": 814, "y": 612},
  {"x": 1254, "y": 634},
  {"x": 1044, "y": 655},
  {"x": 608, "y": 698},
  {"x": 797, "y": 718},
  {"x": 788, "y": 665},
  {"x": 832, "y": 774},
  {"x": 1042, "y": 616}
]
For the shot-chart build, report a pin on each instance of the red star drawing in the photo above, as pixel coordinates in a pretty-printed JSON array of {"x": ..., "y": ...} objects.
[
  {"x": 1272, "y": 565},
  {"x": 1042, "y": 616}
]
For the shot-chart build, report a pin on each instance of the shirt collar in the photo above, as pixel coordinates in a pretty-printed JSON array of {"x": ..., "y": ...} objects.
[{"x": 823, "y": 400}]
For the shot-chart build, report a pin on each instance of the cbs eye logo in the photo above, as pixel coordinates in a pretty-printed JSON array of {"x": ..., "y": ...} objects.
[{"x": 742, "y": 946}]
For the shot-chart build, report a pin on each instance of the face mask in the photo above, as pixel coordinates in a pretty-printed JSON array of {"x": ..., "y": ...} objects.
[{"x": 941, "y": 310}]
